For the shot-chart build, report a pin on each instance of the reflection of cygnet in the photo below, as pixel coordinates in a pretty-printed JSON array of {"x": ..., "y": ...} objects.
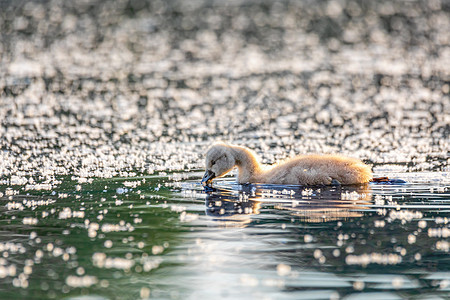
[
  {"x": 221, "y": 158},
  {"x": 219, "y": 206}
]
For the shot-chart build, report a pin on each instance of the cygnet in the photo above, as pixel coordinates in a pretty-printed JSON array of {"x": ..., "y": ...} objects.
[{"x": 221, "y": 158}]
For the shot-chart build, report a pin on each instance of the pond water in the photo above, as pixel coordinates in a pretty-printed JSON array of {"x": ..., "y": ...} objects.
[
  {"x": 107, "y": 109},
  {"x": 164, "y": 236}
]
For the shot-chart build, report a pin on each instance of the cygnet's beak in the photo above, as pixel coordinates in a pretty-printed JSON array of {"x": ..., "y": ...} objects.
[{"x": 208, "y": 177}]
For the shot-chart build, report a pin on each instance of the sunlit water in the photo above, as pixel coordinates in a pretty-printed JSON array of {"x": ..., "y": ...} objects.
[
  {"x": 107, "y": 109},
  {"x": 166, "y": 237}
]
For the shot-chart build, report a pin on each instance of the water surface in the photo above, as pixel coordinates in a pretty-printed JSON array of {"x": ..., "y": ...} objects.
[
  {"x": 107, "y": 109},
  {"x": 166, "y": 237}
]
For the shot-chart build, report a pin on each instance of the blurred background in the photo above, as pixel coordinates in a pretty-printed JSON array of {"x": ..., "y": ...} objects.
[{"x": 365, "y": 78}]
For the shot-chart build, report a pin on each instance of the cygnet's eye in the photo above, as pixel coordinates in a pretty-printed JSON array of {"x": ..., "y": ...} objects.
[
  {"x": 211, "y": 163},
  {"x": 214, "y": 161}
]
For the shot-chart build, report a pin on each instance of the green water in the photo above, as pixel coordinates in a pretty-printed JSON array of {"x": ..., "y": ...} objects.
[
  {"x": 139, "y": 227},
  {"x": 166, "y": 238}
]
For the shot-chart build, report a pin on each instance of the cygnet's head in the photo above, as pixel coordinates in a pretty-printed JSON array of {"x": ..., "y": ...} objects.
[{"x": 219, "y": 161}]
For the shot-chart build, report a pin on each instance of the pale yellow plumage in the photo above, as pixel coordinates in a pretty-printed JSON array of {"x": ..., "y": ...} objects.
[{"x": 304, "y": 169}]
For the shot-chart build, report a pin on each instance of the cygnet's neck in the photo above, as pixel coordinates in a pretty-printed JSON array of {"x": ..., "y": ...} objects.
[{"x": 249, "y": 168}]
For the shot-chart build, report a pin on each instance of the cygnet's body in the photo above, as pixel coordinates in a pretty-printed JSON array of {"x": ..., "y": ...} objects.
[{"x": 221, "y": 158}]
